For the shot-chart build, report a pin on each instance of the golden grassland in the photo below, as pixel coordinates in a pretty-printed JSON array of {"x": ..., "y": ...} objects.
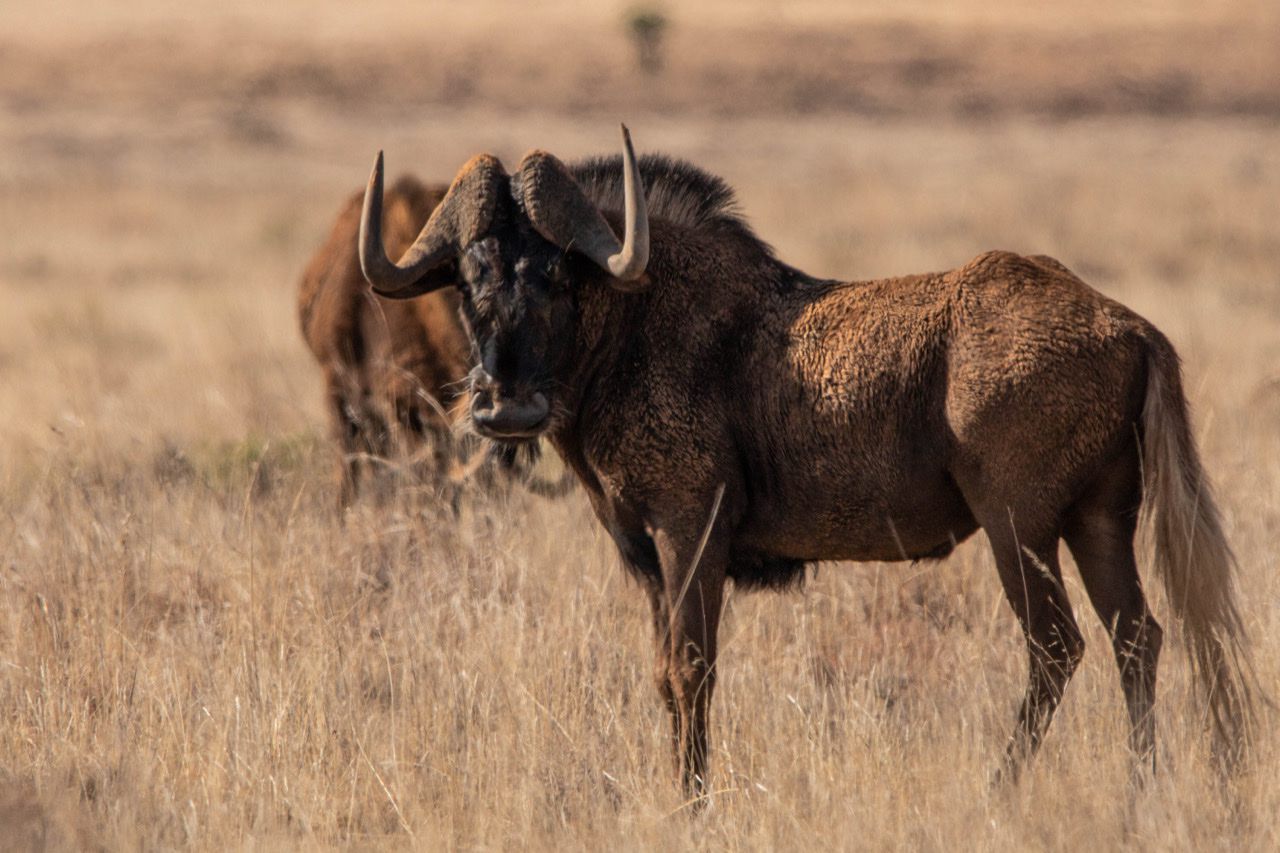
[{"x": 195, "y": 652}]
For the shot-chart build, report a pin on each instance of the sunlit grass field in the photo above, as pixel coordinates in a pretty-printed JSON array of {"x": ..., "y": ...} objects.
[{"x": 196, "y": 650}]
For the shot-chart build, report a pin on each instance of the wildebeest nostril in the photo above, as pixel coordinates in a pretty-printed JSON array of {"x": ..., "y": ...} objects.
[
  {"x": 500, "y": 417},
  {"x": 481, "y": 400}
]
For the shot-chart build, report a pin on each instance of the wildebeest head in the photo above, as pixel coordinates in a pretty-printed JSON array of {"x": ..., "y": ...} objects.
[{"x": 519, "y": 241}]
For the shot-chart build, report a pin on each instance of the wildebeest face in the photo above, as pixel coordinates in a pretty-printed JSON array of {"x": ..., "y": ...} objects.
[
  {"x": 514, "y": 239},
  {"x": 519, "y": 307}
]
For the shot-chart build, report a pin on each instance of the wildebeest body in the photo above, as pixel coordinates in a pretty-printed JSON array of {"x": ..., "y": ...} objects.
[
  {"x": 733, "y": 418},
  {"x": 846, "y": 419}
]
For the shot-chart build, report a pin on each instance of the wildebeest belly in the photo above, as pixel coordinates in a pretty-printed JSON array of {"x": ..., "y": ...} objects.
[{"x": 822, "y": 517}]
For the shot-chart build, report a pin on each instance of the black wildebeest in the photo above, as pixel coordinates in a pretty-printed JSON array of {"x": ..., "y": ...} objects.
[
  {"x": 733, "y": 418},
  {"x": 394, "y": 372}
]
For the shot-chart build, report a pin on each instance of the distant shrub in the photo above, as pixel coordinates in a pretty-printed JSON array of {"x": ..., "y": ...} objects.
[{"x": 647, "y": 24}]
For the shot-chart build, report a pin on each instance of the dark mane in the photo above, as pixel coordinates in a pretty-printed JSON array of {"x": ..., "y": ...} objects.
[{"x": 675, "y": 190}]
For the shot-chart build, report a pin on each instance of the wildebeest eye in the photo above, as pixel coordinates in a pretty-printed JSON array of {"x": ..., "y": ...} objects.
[{"x": 556, "y": 271}]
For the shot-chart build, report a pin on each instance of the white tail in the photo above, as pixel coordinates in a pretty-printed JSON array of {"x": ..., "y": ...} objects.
[{"x": 1193, "y": 557}]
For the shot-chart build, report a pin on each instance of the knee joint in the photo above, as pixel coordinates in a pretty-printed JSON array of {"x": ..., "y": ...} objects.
[
  {"x": 690, "y": 677},
  {"x": 1075, "y": 650},
  {"x": 662, "y": 680},
  {"x": 1141, "y": 643},
  {"x": 1062, "y": 652},
  {"x": 1154, "y": 635}
]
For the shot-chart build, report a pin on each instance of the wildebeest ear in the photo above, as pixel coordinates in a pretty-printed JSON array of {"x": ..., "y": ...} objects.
[
  {"x": 464, "y": 214},
  {"x": 561, "y": 212}
]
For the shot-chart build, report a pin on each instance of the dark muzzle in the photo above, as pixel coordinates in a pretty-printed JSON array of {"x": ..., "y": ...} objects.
[{"x": 510, "y": 418}]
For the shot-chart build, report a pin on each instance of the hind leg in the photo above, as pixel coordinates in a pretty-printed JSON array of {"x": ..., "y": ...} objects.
[
  {"x": 1099, "y": 531},
  {"x": 1032, "y": 582}
]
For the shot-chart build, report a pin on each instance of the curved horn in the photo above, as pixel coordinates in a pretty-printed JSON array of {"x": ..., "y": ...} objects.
[
  {"x": 630, "y": 261},
  {"x": 460, "y": 218},
  {"x": 390, "y": 279},
  {"x": 562, "y": 213}
]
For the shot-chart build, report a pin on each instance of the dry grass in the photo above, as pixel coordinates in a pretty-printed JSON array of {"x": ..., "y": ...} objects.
[{"x": 195, "y": 653}]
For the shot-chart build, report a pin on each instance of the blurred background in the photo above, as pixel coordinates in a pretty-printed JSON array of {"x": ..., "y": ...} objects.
[
  {"x": 196, "y": 652},
  {"x": 167, "y": 168}
]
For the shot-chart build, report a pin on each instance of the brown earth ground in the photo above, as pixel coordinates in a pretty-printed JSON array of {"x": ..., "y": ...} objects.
[{"x": 194, "y": 653}]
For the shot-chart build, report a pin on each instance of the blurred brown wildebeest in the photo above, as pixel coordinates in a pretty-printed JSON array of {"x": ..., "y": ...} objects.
[
  {"x": 394, "y": 372},
  {"x": 733, "y": 418}
]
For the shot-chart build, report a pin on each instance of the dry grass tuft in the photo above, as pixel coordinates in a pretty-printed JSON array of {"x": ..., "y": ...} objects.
[{"x": 196, "y": 653}]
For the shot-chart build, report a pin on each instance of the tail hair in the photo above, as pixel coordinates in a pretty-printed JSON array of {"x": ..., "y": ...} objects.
[{"x": 1194, "y": 559}]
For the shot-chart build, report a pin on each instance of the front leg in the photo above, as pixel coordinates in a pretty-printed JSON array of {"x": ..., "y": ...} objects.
[
  {"x": 661, "y": 658},
  {"x": 693, "y": 587},
  {"x": 640, "y": 557},
  {"x": 681, "y": 559}
]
